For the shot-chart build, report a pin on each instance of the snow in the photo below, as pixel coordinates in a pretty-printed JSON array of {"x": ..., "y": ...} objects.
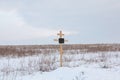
[
  {"x": 77, "y": 73},
  {"x": 91, "y": 66}
]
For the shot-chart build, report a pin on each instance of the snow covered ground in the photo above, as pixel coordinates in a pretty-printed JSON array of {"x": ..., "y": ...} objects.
[
  {"x": 77, "y": 66},
  {"x": 78, "y": 73}
]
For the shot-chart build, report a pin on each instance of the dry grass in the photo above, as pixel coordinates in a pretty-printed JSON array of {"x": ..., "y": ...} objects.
[{"x": 26, "y": 50}]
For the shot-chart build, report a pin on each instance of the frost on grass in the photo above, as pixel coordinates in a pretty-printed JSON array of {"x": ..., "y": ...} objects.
[{"x": 44, "y": 65}]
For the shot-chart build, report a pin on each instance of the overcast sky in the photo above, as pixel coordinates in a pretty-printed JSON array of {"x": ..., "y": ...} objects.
[{"x": 38, "y": 21}]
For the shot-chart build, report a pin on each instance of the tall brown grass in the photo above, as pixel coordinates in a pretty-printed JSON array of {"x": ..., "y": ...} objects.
[{"x": 25, "y": 50}]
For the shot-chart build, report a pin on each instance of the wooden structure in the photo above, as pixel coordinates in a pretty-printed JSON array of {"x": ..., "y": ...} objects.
[{"x": 61, "y": 42}]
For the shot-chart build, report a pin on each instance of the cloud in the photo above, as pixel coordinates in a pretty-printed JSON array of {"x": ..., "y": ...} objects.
[
  {"x": 88, "y": 20},
  {"x": 14, "y": 27}
]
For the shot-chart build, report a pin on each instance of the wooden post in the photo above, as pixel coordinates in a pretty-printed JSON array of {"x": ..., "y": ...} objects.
[
  {"x": 60, "y": 43},
  {"x": 61, "y": 53}
]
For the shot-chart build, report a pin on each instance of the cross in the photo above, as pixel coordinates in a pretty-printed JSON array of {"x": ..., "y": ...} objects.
[
  {"x": 61, "y": 41},
  {"x": 60, "y": 34}
]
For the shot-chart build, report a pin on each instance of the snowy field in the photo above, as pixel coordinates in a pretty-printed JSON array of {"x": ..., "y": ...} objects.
[{"x": 76, "y": 66}]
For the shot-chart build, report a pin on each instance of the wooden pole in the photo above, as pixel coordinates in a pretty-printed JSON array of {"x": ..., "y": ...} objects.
[
  {"x": 61, "y": 50},
  {"x": 61, "y": 53}
]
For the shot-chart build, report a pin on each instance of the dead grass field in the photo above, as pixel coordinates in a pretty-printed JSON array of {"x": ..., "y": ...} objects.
[{"x": 25, "y": 50}]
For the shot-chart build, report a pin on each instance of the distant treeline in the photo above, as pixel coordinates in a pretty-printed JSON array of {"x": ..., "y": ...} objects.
[{"x": 24, "y": 50}]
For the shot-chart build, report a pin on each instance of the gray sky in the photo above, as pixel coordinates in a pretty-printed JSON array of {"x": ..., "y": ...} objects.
[{"x": 38, "y": 21}]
